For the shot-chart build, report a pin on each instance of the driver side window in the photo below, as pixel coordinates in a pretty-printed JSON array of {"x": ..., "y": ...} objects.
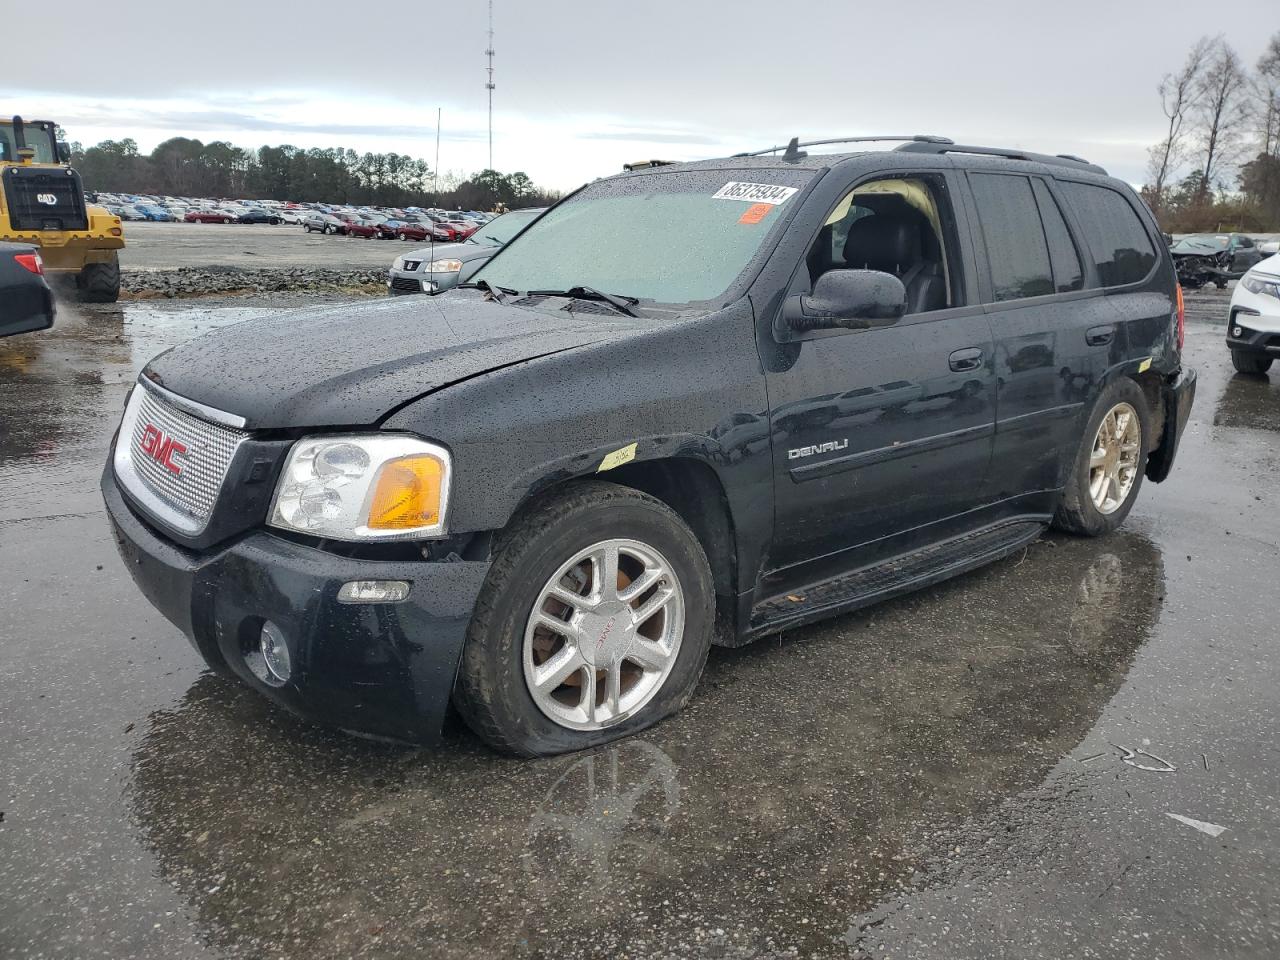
[{"x": 901, "y": 226}]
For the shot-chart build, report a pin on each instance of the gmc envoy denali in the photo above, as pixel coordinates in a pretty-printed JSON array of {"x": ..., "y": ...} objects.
[{"x": 690, "y": 404}]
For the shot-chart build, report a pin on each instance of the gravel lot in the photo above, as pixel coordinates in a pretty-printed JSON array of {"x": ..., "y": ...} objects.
[
  {"x": 257, "y": 246},
  {"x": 935, "y": 777}
]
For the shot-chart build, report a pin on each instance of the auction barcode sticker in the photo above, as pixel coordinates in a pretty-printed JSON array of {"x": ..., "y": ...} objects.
[{"x": 754, "y": 192}]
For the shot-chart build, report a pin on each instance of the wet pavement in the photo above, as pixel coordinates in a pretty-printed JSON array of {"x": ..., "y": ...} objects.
[{"x": 942, "y": 776}]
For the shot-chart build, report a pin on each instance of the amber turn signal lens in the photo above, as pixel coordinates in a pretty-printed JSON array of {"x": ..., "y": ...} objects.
[{"x": 407, "y": 494}]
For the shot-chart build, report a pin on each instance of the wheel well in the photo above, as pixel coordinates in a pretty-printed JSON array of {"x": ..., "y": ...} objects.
[
  {"x": 1151, "y": 384},
  {"x": 694, "y": 491}
]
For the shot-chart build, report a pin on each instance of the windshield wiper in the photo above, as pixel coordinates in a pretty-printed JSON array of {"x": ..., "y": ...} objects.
[
  {"x": 618, "y": 301},
  {"x": 495, "y": 292},
  {"x": 490, "y": 236}
]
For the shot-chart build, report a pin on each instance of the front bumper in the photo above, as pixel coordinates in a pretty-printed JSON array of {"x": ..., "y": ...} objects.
[
  {"x": 1257, "y": 317},
  {"x": 1179, "y": 395},
  {"x": 382, "y": 670},
  {"x": 401, "y": 282}
]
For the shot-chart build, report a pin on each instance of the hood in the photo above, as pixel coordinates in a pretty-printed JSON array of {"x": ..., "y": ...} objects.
[
  {"x": 351, "y": 365},
  {"x": 451, "y": 251}
]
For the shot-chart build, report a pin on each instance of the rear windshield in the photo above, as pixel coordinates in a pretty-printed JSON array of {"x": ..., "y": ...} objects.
[{"x": 674, "y": 238}]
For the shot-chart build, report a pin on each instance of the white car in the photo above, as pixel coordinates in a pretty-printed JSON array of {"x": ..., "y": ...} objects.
[{"x": 1253, "y": 330}]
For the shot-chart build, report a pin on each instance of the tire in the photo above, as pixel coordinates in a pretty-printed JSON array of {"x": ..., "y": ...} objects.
[
  {"x": 492, "y": 693},
  {"x": 99, "y": 282},
  {"x": 328, "y": 228},
  {"x": 1250, "y": 362},
  {"x": 306, "y": 227},
  {"x": 402, "y": 237},
  {"x": 1220, "y": 284},
  {"x": 1078, "y": 512},
  {"x": 275, "y": 222}
]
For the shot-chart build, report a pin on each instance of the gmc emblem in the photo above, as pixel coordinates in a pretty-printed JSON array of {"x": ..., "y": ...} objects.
[
  {"x": 162, "y": 449},
  {"x": 48, "y": 199}
]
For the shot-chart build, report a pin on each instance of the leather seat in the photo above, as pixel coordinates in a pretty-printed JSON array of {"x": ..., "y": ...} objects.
[{"x": 891, "y": 243}]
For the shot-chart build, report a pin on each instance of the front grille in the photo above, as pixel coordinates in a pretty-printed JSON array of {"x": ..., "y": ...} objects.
[
  {"x": 182, "y": 495},
  {"x": 44, "y": 198},
  {"x": 406, "y": 283}
]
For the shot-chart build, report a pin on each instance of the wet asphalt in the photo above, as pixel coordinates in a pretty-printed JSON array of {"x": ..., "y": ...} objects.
[{"x": 942, "y": 776}]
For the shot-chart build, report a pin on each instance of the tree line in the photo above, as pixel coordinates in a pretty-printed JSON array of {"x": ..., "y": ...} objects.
[
  {"x": 1218, "y": 165},
  {"x": 185, "y": 167}
]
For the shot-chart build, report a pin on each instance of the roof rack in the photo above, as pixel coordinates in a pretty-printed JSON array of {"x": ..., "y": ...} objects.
[
  {"x": 644, "y": 164},
  {"x": 792, "y": 153},
  {"x": 1060, "y": 160}
]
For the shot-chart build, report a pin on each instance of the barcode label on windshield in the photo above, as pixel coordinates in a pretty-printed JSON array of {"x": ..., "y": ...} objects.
[{"x": 754, "y": 192}]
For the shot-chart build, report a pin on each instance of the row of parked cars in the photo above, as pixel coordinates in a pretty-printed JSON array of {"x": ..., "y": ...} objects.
[{"x": 391, "y": 223}]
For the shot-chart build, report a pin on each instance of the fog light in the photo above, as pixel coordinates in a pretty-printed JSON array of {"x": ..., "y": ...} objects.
[
  {"x": 373, "y": 591},
  {"x": 1237, "y": 331},
  {"x": 428, "y": 286},
  {"x": 270, "y": 660}
]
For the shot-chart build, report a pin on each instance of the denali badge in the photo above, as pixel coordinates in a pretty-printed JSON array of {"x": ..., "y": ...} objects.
[
  {"x": 162, "y": 449},
  {"x": 48, "y": 199},
  {"x": 829, "y": 447}
]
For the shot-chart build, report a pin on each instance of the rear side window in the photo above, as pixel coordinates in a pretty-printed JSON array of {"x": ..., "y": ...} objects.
[
  {"x": 1016, "y": 247},
  {"x": 1067, "y": 273},
  {"x": 1118, "y": 243}
]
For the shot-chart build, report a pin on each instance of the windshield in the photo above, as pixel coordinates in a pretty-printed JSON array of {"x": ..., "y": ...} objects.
[
  {"x": 39, "y": 138},
  {"x": 501, "y": 229},
  {"x": 1203, "y": 242},
  {"x": 675, "y": 237}
]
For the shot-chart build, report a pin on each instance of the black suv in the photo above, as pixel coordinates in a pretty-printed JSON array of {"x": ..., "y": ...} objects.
[{"x": 691, "y": 404}]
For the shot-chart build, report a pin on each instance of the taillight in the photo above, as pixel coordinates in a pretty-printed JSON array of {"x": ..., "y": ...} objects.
[
  {"x": 1182, "y": 317},
  {"x": 31, "y": 261}
]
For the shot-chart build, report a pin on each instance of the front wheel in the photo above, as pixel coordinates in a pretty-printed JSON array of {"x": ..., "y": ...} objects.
[
  {"x": 1108, "y": 468},
  {"x": 594, "y": 623},
  {"x": 1252, "y": 363}
]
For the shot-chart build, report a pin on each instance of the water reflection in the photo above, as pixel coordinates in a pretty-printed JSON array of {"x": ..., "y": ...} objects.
[
  {"x": 1250, "y": 402},
  {"x": 807, "y": 780}
]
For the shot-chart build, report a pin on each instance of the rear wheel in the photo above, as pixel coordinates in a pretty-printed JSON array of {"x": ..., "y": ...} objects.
[
  {"x": 99, "y": 282},
  {"x": 1109, "y": 466},
  {"x": 594, "y": 623},
  {"x": 1250, "y": 362}
]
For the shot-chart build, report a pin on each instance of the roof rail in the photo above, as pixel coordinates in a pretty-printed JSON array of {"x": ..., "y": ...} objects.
[
  {"x": 1059, "y": 160},
  {"x": 792, "y": 152},
  {"x": 644, "y": 164}
]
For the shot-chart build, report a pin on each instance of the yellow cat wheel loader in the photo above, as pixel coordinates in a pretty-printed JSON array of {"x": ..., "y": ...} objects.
[{"x": 42, "y": 203}]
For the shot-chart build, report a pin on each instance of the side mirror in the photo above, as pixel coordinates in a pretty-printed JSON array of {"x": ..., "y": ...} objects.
[
  {"x": 64, "y": 152},
  {"x": 848, "y": 299}
]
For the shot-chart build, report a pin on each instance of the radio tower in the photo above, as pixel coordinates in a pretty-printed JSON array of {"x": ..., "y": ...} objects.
[{"x": 489, "y": 86}]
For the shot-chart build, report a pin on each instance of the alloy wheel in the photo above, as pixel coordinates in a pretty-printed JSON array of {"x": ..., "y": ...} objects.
[
  {"x": 1113, "y": 462},
  {"x": 603, "y": 634}
]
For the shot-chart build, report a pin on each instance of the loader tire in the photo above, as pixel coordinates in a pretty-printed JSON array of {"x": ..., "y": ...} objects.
[{"x": 99, "y": 282}]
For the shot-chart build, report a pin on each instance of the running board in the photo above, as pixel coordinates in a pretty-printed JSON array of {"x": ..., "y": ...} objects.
[{"x": 900, "y": 575}]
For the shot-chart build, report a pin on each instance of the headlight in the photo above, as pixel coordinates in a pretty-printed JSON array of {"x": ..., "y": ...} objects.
[
  {"x": 1260, "y": 283},
  {"x": 364, "y": 487},
  {"x": 397, "y": 263},
  {"x": 444, "y": 266}
]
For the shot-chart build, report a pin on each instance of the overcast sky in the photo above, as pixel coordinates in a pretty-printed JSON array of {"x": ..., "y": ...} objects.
[{"x": 585, "y": 85}]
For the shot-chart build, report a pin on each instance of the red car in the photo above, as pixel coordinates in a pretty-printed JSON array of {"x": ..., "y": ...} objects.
[
  {"x": 360, "y": 228},
  {"x": 208, "y": 216},
  {"x": 402, "y": 230}
]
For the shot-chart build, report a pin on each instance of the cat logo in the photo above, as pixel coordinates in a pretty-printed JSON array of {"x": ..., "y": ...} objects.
[{"x": 48, "y": 199}]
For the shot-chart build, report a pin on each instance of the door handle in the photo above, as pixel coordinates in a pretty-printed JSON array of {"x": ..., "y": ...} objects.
[
  {"x": 1098, "y": 336},
  {"x": 962, "y": 360}
]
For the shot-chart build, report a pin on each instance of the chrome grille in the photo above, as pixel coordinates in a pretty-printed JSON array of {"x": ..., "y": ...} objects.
[{"x": 184, "y": 494}]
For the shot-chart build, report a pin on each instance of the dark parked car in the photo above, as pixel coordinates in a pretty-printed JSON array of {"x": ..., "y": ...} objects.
[
  {"x": 1215, "y": 258},
  {"x": 544, "y": 497},
  {"x": 323, "y": 223},
  {"x": 26, "y": 302},
  {"x": 442, "y": 267},
  {"x": 258, "y": 216}
]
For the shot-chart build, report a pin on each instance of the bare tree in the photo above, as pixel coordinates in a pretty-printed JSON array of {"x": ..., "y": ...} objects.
[
  {"x": 1266, "y": 89},
  {"x": 1219, "y": 111},
  {"x": 1178, "y": 95}
]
